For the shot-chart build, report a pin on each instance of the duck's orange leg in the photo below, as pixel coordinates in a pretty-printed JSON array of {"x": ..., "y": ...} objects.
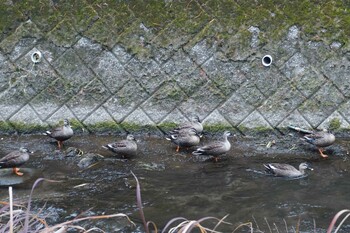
[
  {"x": 59, "y": 144},
  {"x": 17, "y": 172},
  {"x": 177, "y": 149},
  {"x": 321, "y": 153}
]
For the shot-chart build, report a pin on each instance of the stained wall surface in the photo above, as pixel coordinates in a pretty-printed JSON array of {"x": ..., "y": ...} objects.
[{"x": 121, "y": 65}]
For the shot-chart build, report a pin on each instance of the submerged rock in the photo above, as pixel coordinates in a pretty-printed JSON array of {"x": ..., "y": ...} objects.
[
  {"x": 73, "y": 152},
  {"x": 89, "y": 159}
]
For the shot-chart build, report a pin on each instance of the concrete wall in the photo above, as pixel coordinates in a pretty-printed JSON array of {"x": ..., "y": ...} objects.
[{"x": 136, "y": 65}]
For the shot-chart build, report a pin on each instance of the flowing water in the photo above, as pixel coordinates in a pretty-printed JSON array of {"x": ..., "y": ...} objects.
[{"x": 175, "y": 184}]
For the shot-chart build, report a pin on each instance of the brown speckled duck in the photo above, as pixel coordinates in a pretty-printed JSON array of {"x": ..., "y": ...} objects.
[
  {"x": 15, "y": 159},
  {"x": 195, "y": 124},
  {"x": 61, "y": 133},
  {"x": 215, "y": 148},
  {"x": 126, "y": 148},
  {"x": 320, "y": 139},
  {"x": 286, "y": 170},
  {"x": 186, "y": 137}
]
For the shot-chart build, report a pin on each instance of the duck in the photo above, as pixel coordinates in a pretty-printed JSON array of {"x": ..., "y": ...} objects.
[
  {"x": 215, "y": 148},
  {"x": 320, "y": 139},
  {"x": 195, "y": 124},
  {"x": 61, "y": 133},
  {"x": 286, "y": 170},
  {"x": 126, "y": 148},
  {"x": 185, "y": 137},
  {"x": 15, "y": 159}
]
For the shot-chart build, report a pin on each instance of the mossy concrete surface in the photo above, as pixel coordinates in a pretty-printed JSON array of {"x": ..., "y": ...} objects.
[{"x": 123, "y": 66}]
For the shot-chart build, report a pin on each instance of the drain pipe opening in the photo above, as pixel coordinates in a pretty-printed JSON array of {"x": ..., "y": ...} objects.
[
  {"x": 266, "y": 60},
  {"x": 36, "y": 57}
]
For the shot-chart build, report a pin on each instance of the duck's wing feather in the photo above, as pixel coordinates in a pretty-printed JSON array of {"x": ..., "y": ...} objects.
[
  {"x": 11, "y": 156},
  {"x": 121, "y": 144},
  {"x": 280, "y": 166},
  {"x": 316, "y": 135},
  {"x": 212, "y": 146}
]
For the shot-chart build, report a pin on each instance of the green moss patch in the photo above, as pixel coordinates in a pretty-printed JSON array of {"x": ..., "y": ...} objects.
[
  {"x": 22, "y": 127},
  {"x": 133, "y": 127},
  {"x": 104, "y": 127},
  {"x": 217, "y": 128},
  {"x": 167, "y": 126},
  {"x": 334, "y": 124},
  {"x": 110, "y": 22}
]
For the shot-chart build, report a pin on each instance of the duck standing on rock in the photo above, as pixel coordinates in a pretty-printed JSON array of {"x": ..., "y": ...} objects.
[
  {"x": 15, "y": 159},
  {"x": 61, "y": 133},
  {"x": 286, "y": 170},
  {"x": 185, "y": 137},
  {"x": 215, "y": 148},
  {"x": 126, "y": 148},
  {"x": 320, "y": 139}
]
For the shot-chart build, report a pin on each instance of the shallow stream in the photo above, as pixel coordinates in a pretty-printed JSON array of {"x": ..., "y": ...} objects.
[{"x": 175, "y": 184}]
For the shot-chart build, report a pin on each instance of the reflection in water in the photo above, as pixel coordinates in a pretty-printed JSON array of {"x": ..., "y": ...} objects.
[{"x": 174, "y": 184}]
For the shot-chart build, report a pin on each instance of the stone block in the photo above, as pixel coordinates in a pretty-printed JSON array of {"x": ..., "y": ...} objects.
[
  {"x": 22, "y": 47},
  {"x": 163, "y": 101},
  {"x": 62, "y": 113},
  {"x": 35, "y": 76},
  {"x": 266, "y": 79},
  {"x": 202, "y": 102},
  {"x": 139, "y": 122},
  {"x": 284, "y": 101},
  {"x": 192, "y": 82},
  {"x": 335, "y": 122},
  {"x": 201, "y": 51},
  {"x": 251, "y": 94},
  {"x": 308, "y": 81},
  {"x": 87, "y": 50},
  {"x": 147, "y": 73},
  {"x": 121, "y": 54},
  {"x": 255, "y": 121},
  {"x": 53, "y": 97},
  {"x": 322, "y": 104},
  {"x": 179, "y": 64},
  {"x": 64, "y": 34},
  {"x": 24, "y": 38},
  {"x": 226, "y": 75},
  {"x": 235, "y": 109},
  {"x": 295, "y": 119},
  {"x": 126, "y": 100},
  {"x": 27, "y": 121},
  {"x": 88, "y": 99},
  {"x": 217, "y": 123},
  {"x": 110, "y": 70},
  {"x": 7, "y": 70},
  {"x": 73, "y": 70},
  {"x": 100, "y": 121},
  {"x": 337, "y": 69},
  {"x": 50, "y": 51}
]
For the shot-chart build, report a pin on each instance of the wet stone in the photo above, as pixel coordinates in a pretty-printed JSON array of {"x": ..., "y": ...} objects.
[
  {"x": 73, "y": 152},
  {"x": 89, "y": 159}
]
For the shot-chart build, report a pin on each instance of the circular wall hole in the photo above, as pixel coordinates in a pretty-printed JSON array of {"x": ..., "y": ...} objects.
[
  {"x": 36, "y": 57},
  {"x": 266, "y": 60}
]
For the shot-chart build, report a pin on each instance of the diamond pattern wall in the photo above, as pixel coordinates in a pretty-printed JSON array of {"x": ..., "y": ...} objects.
[{"x": 122, "y": 63}]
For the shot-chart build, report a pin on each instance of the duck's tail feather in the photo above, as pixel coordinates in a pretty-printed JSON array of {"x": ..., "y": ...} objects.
[
  {"x": 199, "y": 152},
  {"x": 308, "y": 139},
  {"x": 47, "y": 133},
  {"x": 269, "y": 169},
  {"x": 299, "y": 129},
  {"x": 171, "y": 137}
]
